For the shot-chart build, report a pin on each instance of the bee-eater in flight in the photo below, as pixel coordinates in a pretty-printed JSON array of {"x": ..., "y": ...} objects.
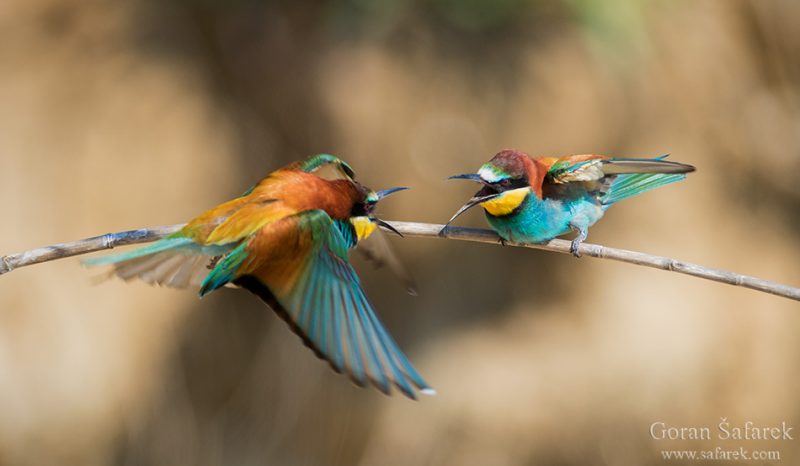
[
  {"x": 287, "y": 240},
  {"x": 534, "y": 199}
]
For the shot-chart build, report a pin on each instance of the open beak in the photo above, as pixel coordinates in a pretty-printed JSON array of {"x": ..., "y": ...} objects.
[
  {"x": 475, "y": 200},
  {"x": 470, "y": 204},
  {"x": 466, "y": 176},
  {"x": 386, "y": 226},
  {"x": 383, "y": 193},
  {"x": 380, "y": 195}
]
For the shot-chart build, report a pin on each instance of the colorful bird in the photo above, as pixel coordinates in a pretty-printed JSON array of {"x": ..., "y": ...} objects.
[
  {"x": 534, "y": 199},
  {"x": 287, "y": 240}
]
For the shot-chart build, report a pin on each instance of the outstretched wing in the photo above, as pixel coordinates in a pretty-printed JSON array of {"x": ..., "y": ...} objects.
[
  {"x": 298, "y": 265},
  {"x": 614, "y": 179},
  {"x": 595, "y": 167}
]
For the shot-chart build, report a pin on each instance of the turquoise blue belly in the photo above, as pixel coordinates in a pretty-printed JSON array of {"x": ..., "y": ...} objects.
[{"x": 540, "y": 220}]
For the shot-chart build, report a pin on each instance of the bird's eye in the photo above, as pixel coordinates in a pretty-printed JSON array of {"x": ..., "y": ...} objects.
[{"x": 505, "y": 182}]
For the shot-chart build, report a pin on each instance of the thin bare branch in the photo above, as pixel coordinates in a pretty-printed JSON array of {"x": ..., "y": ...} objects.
[
  {"x": 422, "y": 230},
  {"x": 83, "y": 246}
]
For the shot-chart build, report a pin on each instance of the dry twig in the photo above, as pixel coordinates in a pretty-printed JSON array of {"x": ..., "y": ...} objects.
[{"x": 423, "y": 230}]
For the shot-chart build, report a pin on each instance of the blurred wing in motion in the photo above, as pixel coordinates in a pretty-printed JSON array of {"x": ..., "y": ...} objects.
[{"x": 376, "y": 249}]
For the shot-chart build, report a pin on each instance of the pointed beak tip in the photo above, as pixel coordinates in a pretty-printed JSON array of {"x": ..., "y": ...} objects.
[
  {"x": 385, "y": 192},
  {"x": 470, "y": 204},
  {"x": 466, "y": 176},
  {"x": 386, "y": 225}
]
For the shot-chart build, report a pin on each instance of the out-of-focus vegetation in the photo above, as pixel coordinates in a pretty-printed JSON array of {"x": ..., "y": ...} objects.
[{"x": 116, "y": 115}]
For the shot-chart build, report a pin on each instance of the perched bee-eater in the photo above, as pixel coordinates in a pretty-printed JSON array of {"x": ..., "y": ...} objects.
[
  {"x": 534, "y": 199},
  {"x": 287, "y": 240}
]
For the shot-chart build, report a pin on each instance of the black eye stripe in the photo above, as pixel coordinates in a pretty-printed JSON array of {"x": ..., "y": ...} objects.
[{"x": 508, "y": 184}]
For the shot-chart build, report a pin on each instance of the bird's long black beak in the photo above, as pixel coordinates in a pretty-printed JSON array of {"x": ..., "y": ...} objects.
[
  {"x": 470, "y": 204},
  {"x": 385, "y": 225},
  {"x": 466, "y": 176},
  {"x": 385, "y": 192},
  {"x": 380, "y": 195}
]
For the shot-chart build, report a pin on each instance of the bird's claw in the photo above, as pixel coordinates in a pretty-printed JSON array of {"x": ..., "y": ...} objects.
[
  {"x": 574, "y": 249},
  {"x": 213, "y": 262},
  {"x": 574, "y": 246}
]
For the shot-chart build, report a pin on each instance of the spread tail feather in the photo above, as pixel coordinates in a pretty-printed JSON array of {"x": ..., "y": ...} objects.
[{"x": 625, "y": 186}]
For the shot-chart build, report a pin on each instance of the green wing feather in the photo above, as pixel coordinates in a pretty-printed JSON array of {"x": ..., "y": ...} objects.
[
  {"x": 315, "y": 289},
  {"x": 625, "y": 186},
  {"x": 631, "y": 177}
]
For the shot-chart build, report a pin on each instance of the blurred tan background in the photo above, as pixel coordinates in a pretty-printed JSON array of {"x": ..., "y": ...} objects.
[{"x": 118, "y": 115}]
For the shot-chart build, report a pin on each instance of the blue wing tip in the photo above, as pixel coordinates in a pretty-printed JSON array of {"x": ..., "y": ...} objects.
[{"x": 210, "y": 285}]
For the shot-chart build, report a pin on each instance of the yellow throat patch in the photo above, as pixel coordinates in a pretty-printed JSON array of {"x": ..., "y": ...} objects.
[
  {"x": 505, "y": 203},
  {"x": 363, "y": 226}
]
